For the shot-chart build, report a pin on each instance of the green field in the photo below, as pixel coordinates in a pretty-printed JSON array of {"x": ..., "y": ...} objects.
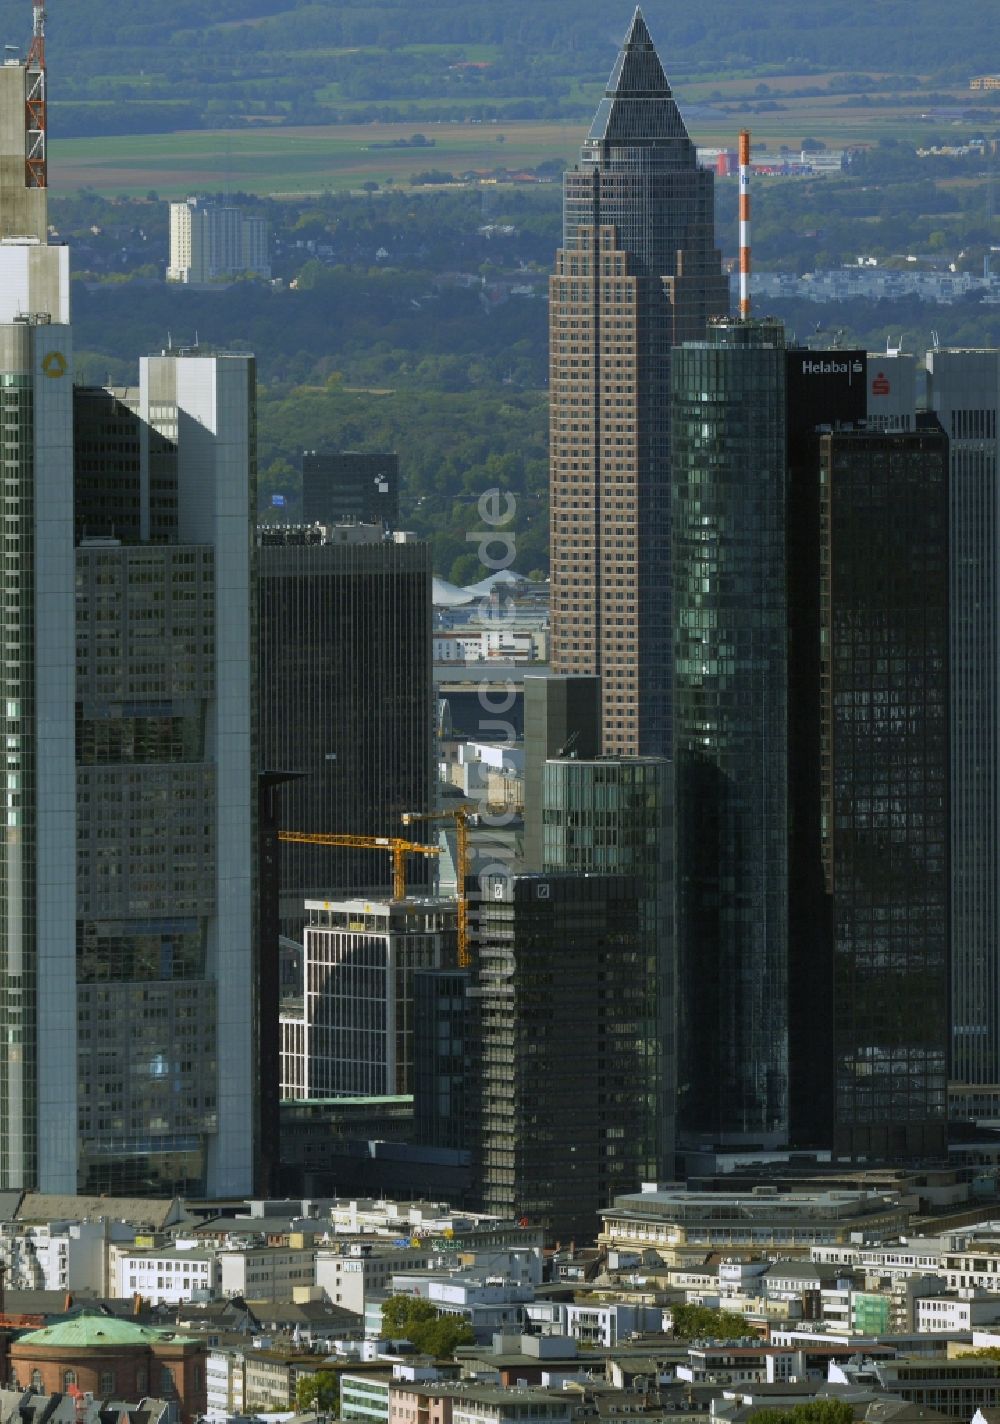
[
  {"x": 298, "y": 160},
  {"x": 288, "y": 160}
]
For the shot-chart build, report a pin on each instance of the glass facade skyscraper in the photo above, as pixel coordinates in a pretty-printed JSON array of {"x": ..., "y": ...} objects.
[
  {"x": 345, "y": 640},
  {"x": 731, "y": 732},
  {"x": 561, "y": 1005},
  {"x": 638, "y": 273},
  {"x": 963, "y": 390},
  {"x": 613, "y": 815},
  {"x": 884, "y": 811}
]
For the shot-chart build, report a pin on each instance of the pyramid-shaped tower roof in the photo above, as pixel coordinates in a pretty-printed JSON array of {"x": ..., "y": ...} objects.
[{"x": 638, "y": 107}]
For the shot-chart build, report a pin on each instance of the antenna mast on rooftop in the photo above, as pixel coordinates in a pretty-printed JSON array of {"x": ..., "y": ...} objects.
[
  {"x": 744, "y": 160},
  {"x": 36, "y": 173}
]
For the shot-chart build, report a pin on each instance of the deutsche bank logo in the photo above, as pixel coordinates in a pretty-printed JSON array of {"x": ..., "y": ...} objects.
[{"x": 543, "y": 892}]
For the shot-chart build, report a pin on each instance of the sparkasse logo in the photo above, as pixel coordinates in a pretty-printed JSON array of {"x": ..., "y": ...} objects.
[{"x": 880, "y": 385}]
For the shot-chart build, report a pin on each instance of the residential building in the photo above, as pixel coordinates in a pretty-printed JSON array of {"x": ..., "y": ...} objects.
[
  {"x": 209, "y": 241},
  {"x": 224, "y": 1384},
  {"x": 169, "y": 1275},
  {"x": 730, "y": 730},
  {"x": 489, "y": 1404},
  {"x": 963, "y": 390},
  {"x": 352, "y": 1276},
  {"x": 261, "y": 1273},
  {"x": 949, "y": 1314},
  {"x": 344, "y": 486},
  {"x": 637, "y": 273},
  {"x": 353, "y": 1035},
  {"x": 345, "y": 640},
  {"x": 557, "y": 951},
  {"x": 270, "y": 1377},
  {"x": 366, "y": 1397},
  {"x": 486, "y": 1299},
  {"x": 884, "y": 748}
]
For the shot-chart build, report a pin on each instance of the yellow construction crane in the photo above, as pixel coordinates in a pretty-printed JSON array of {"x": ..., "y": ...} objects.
[
  {"x": 397, "y": 848},
  {"x": 463, "y": 817}
]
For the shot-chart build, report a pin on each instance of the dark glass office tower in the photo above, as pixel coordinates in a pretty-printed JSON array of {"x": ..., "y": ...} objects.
[
  {"x": 963, "y": 389},
  {"x": 445, "y": 1060},
  {"x": 731, "y": 732},
  {"x": 824, "y": 390},
  {"x": 561, "y": 1006},
  {"x": 638, "y": 273},
  {"x": 884, "y": 610},
  {"x": 614, "y": 815},
  {"x": 343, "y": 485},
  {"x": 345, "y": 699}
]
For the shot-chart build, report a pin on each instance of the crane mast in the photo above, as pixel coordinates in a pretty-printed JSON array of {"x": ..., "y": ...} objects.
[
  {"x": 36, "y": 167},
  {"x": 463, "y": 817}
]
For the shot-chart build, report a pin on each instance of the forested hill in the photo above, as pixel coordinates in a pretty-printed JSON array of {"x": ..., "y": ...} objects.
[{"x": 200, "y": 63}]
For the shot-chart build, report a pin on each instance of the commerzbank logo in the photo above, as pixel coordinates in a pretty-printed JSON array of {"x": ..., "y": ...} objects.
[
  {"x": 54, "y": 364},
  {"x": 833, "y": 368}
]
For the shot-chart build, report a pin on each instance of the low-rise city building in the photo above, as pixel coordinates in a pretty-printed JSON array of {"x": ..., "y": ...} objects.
[{"x": 670, "y": 1219}]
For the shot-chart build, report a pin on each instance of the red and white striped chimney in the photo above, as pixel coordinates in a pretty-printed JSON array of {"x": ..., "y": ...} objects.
[{"x": 744, "y": 223}]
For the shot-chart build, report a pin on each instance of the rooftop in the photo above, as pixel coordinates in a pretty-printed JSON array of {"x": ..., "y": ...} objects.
[{"x": 91, "y": 1330}]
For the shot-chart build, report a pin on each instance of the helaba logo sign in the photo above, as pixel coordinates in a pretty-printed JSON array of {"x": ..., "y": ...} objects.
[
  {"x": 833, "y": 367},
  {"x": 880, "y": 385}
]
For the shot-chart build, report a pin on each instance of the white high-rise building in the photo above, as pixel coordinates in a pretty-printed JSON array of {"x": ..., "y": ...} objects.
[
  {"x": 128, "y": 933},
  {"x": 210, "y": 241},
  {"x": 352, "y": 1036},
  {"x": 166, "y": 696}
]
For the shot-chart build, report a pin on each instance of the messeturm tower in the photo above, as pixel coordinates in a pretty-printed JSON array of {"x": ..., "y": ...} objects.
[{"x": 637, "y": 274}]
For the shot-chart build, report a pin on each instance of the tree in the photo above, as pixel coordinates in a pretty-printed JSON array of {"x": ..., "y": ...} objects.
[
  {"x": 817, "y": 1411},
  {"x": 422, "y": 1324},
  {"x": 320, "y": 1391},
  {"x": 698, "y": 1322}
]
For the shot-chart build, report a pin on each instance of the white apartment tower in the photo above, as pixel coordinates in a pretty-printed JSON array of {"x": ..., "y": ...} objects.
[{"x": 209, "y": 241}]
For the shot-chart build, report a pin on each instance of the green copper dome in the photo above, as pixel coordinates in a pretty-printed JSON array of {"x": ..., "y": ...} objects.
[{"x": 91, "y": 1330}]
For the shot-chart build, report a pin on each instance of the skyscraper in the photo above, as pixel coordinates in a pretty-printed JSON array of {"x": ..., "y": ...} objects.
[
  {"x": 731, "y": 732},
  {"x": 127, "y": 692},
  {"x": 637, "y": 274},
  {"x": 341, "y": 485},
  {"x": 164, "y": 998},
  {"x": 38, "y": 1090},
  {"x": 884, "y": 748},
  {"x": 345, "y": 641},
  {"x": 561, "y": 973},
  {"x": 353, "y": 1033},
  {"x": 964, "y": 391},
  {"x": 614, "y": 816}
]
